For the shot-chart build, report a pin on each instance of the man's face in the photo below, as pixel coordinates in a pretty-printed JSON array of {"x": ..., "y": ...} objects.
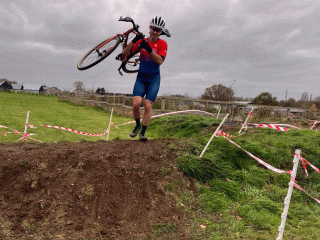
[{"x": 155, "y": 32}]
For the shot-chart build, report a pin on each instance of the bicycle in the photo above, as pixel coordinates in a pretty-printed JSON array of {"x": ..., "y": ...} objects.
[{"x": 130, "y": 64}]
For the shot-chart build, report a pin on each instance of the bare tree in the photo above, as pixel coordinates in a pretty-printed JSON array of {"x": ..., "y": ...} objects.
[
  {"x": 218, "y": 93},
  {"x": 78, "y": 85}
]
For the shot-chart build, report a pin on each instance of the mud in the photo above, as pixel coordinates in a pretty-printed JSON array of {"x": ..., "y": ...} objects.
[{"x": 119, "y": 189}]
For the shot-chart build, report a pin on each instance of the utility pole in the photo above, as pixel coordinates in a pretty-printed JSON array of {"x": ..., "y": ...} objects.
[
  {"x": 232, "y": 84},
  {"x": 286, "y": 98}
]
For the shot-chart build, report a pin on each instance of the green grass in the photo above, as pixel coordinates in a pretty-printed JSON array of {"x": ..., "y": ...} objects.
[
  {"x": 47, "y": 110},
  {"x": 250, "y": 196},
  {"x": 237, "y": 197}
]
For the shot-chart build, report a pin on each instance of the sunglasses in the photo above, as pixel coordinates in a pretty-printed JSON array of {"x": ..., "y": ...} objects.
[{"x": 156, "y": 29}]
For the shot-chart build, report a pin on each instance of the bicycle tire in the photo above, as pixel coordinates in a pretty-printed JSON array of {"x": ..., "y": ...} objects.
[
  {"x": 92, "y": 57},
  {"x": 132, "y": 63}
]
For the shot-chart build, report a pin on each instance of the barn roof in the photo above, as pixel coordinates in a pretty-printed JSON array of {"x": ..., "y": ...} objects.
[{"x": 33, "y": 87}]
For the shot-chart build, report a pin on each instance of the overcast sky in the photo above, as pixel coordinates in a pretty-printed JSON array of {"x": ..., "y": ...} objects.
[{"x": 252, "y": 45}]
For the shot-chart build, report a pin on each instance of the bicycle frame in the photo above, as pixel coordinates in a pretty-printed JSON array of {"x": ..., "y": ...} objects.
[
  {"x": 105, "y": 48},
  {"x": 124, "y": 41}
]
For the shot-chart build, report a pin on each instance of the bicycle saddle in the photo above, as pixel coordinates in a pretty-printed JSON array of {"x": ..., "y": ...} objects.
[{"x": 165, "y": 32}]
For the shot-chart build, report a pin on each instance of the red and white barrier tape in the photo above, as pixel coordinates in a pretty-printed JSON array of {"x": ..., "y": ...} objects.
[
  {"x": 292, "y": 179},
  {"x": 27, "y": 135},
  {"x": 220, "y": 133},
  {"x": 287, "y": 125},
  {"x": 273, "y": 126},
  {"x": 304, "y": 162},
  {"x": 14, "y": 131},
  {"x": 113, "y": 124},
  {"x": 76, "y": 131},
  {"x": 301, "y": 189},
  {"x": 170, "y": 113},
  {"x": 257, "y": 159}
]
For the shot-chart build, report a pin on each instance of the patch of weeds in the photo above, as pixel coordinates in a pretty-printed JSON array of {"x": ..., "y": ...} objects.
[
  {"x": 212, "y": 201},
  {"x": 255, "y": 177},
  {"x": 80, "y": 171},
  {"x": 169, "y": 187},
  {"x": 86, "y": 192},
  {"x": 265, "y": 203},
  {"x": 231, "y": 188},
  {"x": 201, "y": 169},
  {"x": 160, "y": 229},
  {"x": 281, "y": 180},
  {"x": 251, "y": 191},
  {"x": 261, "y": 216},
  {"x": 165, "y": 171}
]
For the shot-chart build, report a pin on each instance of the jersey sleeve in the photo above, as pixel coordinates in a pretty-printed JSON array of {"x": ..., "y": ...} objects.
[{"x": 162, "y": 51}]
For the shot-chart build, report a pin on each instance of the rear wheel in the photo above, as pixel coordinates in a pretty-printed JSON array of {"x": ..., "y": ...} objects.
[
  {"x": 132, "y": 63},
  {"x": 98, "y": 53}
]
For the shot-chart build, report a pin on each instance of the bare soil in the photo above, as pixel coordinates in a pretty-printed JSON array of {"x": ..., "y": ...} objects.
[{"x": 119, "y": 189}]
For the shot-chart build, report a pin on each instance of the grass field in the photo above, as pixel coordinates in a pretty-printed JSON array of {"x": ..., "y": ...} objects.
[
  {"x": 47, "y": 110},
  {"x": 238, "y": 198}
]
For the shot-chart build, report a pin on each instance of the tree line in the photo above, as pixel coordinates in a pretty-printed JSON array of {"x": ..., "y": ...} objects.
[{"x": 219, "y": 92}]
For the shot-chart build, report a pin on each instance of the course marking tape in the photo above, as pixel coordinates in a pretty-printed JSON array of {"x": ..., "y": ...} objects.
[
  {"x": 304, "y": 162},
  {"x": 220, "y": 133},
  {"x": 292, "y": 179},
  {"x": 27, "y": 135},
  {"x": 273, "y": 126},
  {"x": 14, "y": 131},
  {"x": 301, "y": 189},
  {"x": 257, "y": 159},
  {"x": 170, "y": 113},
  {"x": 287, "y": 125},
  {"x": 76, "y": 131}
]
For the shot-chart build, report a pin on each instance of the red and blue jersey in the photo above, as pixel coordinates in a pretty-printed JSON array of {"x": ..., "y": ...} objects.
[{"x": 147, "y": 65}]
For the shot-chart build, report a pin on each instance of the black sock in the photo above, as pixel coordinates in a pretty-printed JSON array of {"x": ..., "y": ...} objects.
[
  {"x": 138, "y": 121},
  {"x": 144, "y": 128}
]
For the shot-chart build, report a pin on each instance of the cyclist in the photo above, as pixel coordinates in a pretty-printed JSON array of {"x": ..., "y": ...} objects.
[{"x": 153, "y": 52}]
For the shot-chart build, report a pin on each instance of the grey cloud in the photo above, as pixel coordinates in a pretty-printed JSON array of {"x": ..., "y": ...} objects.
[{"x": 263, "y": 45}]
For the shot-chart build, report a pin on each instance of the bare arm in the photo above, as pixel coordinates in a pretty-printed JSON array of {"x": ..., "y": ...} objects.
[{"x": 126, "y": 50}]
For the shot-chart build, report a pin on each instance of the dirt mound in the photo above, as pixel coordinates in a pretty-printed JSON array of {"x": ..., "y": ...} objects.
[{"x": 120, "y": 189}]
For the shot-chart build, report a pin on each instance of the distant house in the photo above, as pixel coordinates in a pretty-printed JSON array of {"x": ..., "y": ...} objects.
[
  {"x": 33, "y": 88},
  {"x": 17, "y": 87},
  {"x": 4, "y": 85},
  {"x": 79, "y": 92},
  {"x": 51, "y": 90}
]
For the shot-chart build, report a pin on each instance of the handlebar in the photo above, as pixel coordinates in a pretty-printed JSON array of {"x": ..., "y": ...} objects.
[{"x": 135, "y": 27}]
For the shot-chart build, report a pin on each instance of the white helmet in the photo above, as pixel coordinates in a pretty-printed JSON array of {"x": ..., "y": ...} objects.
[{"x": 157, "y": 22}]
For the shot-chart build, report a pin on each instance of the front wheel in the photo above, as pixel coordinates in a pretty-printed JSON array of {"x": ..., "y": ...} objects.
[
  {"x": 132, "y": 63},
  {"x": 98, "y": 53}
]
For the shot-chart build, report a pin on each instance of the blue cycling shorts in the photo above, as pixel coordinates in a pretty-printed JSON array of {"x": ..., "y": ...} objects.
[{"x": 147, "y": 84}]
